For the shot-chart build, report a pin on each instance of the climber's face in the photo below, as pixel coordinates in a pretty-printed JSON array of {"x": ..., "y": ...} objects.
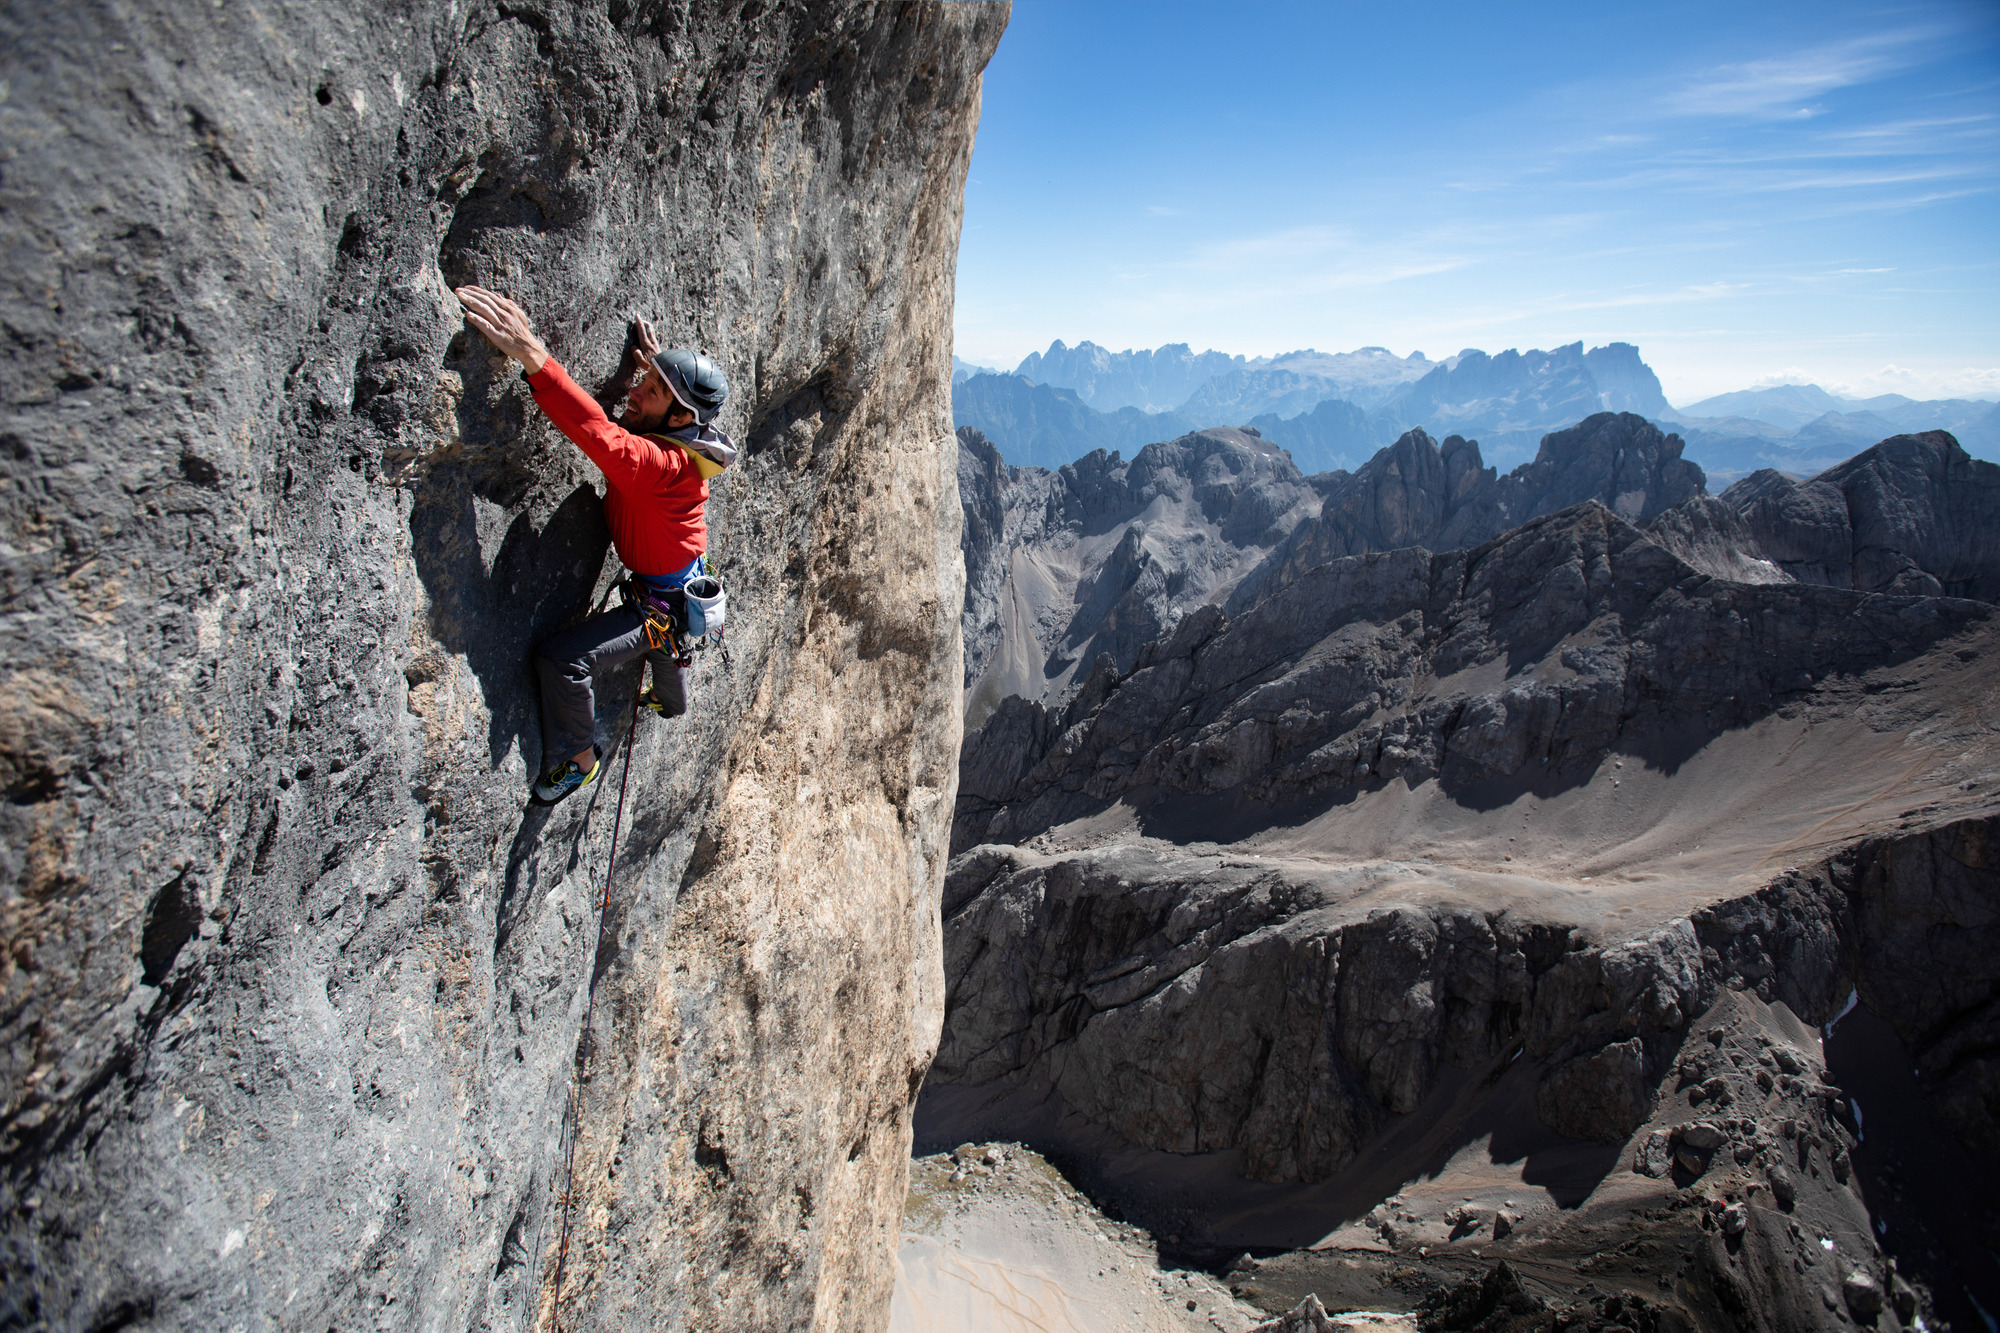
[
  {"x": 652, "y": 406},
  {"x": 649, "y": 402}
]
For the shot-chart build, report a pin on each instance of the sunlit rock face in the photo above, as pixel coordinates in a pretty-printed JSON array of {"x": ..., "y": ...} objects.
[{"x": 294, "y": 979}]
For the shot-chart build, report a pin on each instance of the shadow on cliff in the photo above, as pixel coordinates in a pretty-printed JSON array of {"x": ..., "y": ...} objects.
[
  {"x": 540, "y": 577},
  {"x": 525, "y": 862}
]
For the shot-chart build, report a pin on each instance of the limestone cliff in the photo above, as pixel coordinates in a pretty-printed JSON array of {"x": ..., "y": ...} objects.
[{"x": 293, "y": 980}]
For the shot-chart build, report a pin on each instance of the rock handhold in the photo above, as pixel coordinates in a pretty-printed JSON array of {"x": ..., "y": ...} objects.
[
  {"x": 1784, "y": 1185},
  {"x": 1655, "y": 1156},
  {"x": 1702, "y": 1136},
  {"x": 1735, "y": 1219}
]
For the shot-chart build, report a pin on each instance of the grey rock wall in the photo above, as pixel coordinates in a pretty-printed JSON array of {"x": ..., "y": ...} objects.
[{"x": 293, "y": 980}]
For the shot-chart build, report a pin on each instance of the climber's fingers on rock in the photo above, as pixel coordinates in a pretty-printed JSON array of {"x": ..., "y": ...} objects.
[
  {"x": 479, "y": 310},
  {"x": 649, "y": 342},
  {"x": 492, "y": 332},
  {"x": 504, "y": 324},
  {"x": 493, "y": 310}
]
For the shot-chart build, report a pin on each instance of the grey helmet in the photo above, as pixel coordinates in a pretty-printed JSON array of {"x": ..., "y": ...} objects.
[{"x": 695, "y": 380}]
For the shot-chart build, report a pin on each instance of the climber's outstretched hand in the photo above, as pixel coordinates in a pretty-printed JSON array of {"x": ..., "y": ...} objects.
[
  {"x": 645, "y": 346},
  {"x": 505, "y": 325}
]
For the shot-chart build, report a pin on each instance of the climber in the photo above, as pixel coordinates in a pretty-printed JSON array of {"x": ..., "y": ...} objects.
[{"x": 656, "y": 461}]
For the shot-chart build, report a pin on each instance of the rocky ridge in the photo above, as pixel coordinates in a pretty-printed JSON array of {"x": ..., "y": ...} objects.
[
  {"x": 294, "y": 982},
  {"x": 1104, "y": 554},
  {"x": 1543, "y": 647},
  {"x": 1913, "y": 514}
]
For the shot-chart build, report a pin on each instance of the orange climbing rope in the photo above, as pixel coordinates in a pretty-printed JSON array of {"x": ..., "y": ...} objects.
[{"x": 583, "y": 1046}]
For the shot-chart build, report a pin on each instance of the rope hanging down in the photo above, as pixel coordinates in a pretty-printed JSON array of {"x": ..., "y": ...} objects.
[{"x": 583, "y": 1047}]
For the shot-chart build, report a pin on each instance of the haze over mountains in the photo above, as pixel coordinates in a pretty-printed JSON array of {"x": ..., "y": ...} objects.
[{"x": 1332, "y": 411}]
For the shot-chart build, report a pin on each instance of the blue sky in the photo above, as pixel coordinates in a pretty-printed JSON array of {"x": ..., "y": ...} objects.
[{"x": 1752, "y": 193}]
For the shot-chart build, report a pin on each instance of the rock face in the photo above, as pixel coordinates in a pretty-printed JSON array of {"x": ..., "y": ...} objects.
[
  {"x": 1713, "y": 538},
  {"x": 1286, "y": 1012},
  {"x": 1914, "y": 514},
  {"x": 294, "y": 982}
]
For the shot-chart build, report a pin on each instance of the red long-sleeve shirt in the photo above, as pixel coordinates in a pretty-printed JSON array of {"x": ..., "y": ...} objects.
[{"x": 655, "y": 497}]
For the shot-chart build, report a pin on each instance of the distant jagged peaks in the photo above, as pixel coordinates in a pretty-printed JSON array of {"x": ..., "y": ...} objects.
[
  {"x": 1155, "y": 380},
  {"x": 1332, "y": 409},
  {"x": 1531, "y": 391}
]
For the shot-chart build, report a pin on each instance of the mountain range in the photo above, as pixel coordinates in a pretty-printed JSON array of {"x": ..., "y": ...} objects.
[
  {"x": 1333, "y": 410},
  {"x": 1802, "y": 429}
]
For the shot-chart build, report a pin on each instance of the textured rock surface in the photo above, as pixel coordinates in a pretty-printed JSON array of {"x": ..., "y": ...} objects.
[
  {"x": 1914, "y": 514},
  {"x": 293, "y": 981},
  {"x": 1291, "y": 1012},
  {"x": 1713, "y": 538}
]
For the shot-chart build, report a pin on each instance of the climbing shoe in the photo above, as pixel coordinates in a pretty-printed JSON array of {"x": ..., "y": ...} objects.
[
  {"x": 659, "y": 705},
  {"x": 561, "y": 781}
]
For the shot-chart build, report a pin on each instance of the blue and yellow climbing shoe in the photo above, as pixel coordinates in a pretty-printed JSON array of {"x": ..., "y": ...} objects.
[{"x": 566, "y": 778}]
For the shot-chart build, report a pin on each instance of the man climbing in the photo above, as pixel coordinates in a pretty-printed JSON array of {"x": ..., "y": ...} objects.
[{"x": 656, "y": 461}]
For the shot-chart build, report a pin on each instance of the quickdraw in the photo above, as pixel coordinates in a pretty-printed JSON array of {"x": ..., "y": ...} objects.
[{"x": 664, "y": 630}]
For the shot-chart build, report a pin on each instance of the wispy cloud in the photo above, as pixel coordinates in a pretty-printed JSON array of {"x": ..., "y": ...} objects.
[{"x": 1776, "y": 86}]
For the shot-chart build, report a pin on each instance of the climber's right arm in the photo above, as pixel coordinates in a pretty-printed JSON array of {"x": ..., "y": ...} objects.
[{"x": 628, "y": 461}]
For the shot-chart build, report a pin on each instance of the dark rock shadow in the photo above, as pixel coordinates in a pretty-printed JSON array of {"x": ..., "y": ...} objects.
[
  {"x": 1932, "y": 1200},
  {"x": 540, "y": 581},
  {"x": 524, "y": 874}
]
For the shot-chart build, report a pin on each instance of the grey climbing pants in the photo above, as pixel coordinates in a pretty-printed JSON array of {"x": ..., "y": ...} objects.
[{"x": 568, "y": 661}]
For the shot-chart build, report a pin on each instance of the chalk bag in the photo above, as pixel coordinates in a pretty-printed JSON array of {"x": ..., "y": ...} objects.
[{"x": 706, "y": 605}]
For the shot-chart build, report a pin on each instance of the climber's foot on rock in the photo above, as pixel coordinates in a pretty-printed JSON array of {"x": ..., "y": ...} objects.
[{"x": 569, "y": 777}]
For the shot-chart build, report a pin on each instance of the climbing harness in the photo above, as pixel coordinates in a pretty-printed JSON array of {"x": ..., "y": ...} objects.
[
  {"x": 583, "y": 1047},
  {"x": 682, "y": 630}
]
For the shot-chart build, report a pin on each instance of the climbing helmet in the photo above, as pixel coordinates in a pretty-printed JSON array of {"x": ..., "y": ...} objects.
[{"x": 695, "y": 380}]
